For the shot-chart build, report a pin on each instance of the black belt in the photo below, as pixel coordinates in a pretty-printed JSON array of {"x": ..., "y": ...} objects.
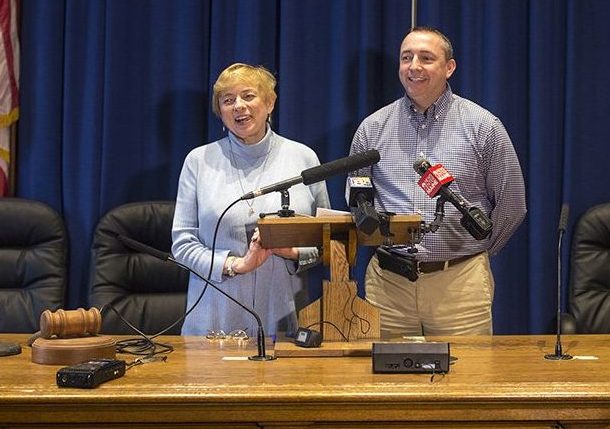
[{"x": 430, "y": 267}]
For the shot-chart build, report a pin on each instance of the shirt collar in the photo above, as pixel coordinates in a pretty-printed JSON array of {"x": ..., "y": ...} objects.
[
  {"x": 437, "y": 108},
  {"x": 252, "y": 151}
]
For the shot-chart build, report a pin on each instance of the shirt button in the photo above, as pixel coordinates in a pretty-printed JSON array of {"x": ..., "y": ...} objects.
[{"x": 423, "y": 126}]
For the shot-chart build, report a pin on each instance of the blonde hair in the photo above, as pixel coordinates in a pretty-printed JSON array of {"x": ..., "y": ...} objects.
[{"x": 257, "y": 76}]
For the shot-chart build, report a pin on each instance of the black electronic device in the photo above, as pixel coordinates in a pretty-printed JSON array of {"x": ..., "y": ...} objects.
[
  {"x": 359, "y": 195},
  {"x": 411, "y": 358},
  {"x": 90, "y": 374},
  {"x": 307, "y": 338},
  {"x": 398, "y": 259}
]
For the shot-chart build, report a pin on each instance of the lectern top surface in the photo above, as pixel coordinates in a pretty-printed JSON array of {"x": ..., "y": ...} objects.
[{"x": 303, "y": 231}]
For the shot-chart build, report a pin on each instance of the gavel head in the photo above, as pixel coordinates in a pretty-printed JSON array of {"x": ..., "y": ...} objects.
[{"x": 70, "y": 323}]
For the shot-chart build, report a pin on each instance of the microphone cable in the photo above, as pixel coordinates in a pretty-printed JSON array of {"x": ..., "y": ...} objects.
[
  {"x": 307, "y": 177},
  {"x": 144, "y": 345}
]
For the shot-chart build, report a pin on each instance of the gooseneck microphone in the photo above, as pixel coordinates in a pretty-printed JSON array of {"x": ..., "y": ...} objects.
[
  {"x": 320, "y": 172},
  {"x": 143, "y": 248},
  {"x": 435, "y": 181},
  {"x": 563, "y": 222}
]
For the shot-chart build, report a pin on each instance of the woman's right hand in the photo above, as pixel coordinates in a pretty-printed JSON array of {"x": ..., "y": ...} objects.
[{"x": 254, "y": 257}]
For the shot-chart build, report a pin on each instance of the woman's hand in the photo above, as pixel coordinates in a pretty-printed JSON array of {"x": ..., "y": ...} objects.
[
  {"x": 286, "y": 252},
  {"x": 254, "y": 257}
]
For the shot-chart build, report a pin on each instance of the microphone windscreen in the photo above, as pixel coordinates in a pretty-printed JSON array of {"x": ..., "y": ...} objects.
[
  {"x": 340, "y": 166},
  {"x": 421, "y": 165}
]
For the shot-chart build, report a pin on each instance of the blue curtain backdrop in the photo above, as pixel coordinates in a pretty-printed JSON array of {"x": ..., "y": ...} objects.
[{"x": 115, "y": 93}]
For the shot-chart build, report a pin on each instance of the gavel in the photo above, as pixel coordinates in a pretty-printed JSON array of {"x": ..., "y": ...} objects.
[{"x": 70, "y": 323}]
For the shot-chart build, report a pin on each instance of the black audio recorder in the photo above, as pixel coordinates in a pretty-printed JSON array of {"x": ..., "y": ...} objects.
[{"x": 90, "y": 374}]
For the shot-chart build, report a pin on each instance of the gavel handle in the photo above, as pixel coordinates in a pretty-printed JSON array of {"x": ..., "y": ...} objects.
[{"x": 34, "y": 337}]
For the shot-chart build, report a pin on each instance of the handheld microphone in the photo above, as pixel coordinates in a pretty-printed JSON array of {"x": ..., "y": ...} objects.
[
  {"x": 435, "y": 181},
  {"x": 563, "y": 222},
  {"x": 143, "y": 248},
  {"x": 320, "y": 172},
  {"x": 359, "y": 196}
]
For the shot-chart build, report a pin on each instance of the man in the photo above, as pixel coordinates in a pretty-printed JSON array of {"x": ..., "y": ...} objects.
[{"x": 454, "y": 291}]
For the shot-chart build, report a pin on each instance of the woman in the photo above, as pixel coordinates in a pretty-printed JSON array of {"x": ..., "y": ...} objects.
[{"x": 215, "y": 175}]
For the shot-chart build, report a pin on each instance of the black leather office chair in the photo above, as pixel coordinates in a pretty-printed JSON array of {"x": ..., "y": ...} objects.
[
  {"x": 33, "y": 254},
  {"x": 148, "y": 292},
  {"x": 589, "y": 295}
]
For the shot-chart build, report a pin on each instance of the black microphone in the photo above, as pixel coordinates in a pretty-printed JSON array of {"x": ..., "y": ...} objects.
[
  {"x": 143, "y": 248},
  {"x": 359, "y": 195},
  {"x": 435, "y": 181},
  {"x": 340, "y": 166},
  {"x": 563, "y": 219},
  {"x": 563, "y": 222},
  {"x": 320, "y": 172}
]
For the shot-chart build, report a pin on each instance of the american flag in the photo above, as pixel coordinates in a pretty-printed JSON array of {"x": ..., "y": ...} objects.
[{"x": 9, "y": 86}]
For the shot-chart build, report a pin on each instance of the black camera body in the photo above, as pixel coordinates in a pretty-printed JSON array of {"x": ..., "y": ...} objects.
[
  {"x": 90, "y": 374},
  {"x": 399, "y": 260}
]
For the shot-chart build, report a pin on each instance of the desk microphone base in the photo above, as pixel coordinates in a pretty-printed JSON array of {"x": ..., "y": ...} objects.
[{"x": 558, "y": 357}]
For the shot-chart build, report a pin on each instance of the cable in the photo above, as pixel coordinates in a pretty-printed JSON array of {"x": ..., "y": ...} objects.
[
  {"x": 144, "y": 344},
  {"x": 331, "y": 324}
]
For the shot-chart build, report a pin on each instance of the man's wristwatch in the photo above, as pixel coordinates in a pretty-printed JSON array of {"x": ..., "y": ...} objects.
[{"x": 229, "y": 271}]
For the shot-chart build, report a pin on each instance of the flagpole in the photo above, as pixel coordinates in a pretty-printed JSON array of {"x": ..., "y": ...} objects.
[{"x": 13, "y": 160}]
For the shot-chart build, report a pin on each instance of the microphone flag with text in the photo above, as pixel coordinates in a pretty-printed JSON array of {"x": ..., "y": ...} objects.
[
  {"x": 359, "y": 195},
  {"x": 143, "y": 248},
  {"x": 435, "y": 181},
  {"x": 320, "y": 172}
]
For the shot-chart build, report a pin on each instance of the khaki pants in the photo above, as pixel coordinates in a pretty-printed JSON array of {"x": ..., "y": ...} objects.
[{"x": 455, "y": 301}]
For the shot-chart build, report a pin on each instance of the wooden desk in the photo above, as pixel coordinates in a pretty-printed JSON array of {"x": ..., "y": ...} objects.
[{"x": 500, "y": 381}]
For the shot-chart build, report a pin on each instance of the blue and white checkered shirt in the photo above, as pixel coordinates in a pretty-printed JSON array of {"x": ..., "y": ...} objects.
[{"x": 474, "y": 147}]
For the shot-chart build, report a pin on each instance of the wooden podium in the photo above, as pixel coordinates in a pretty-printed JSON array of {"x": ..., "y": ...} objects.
[{"x": 338, "y": 237}]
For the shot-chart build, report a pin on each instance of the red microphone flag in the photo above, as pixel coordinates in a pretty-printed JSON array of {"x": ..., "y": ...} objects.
[{"x": 433, "y": 179}]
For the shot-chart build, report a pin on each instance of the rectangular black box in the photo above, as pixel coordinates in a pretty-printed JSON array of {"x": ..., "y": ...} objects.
[
  {"x": 90, "y": 374},
  {"x": 411, "y": 358}
]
